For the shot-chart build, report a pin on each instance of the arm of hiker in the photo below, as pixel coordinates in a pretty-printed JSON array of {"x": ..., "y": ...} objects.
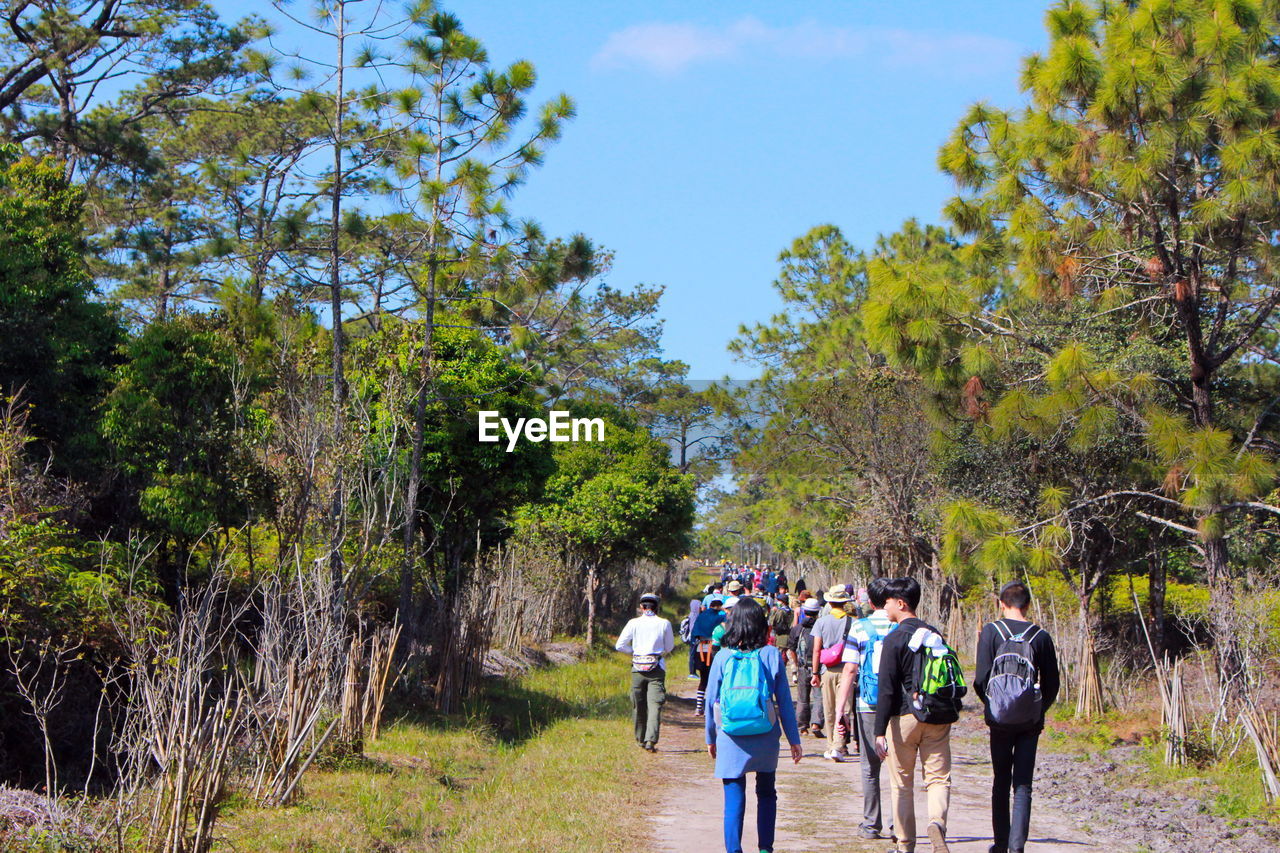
[
  {"x": 668, "y": 638},
  {"x": 889, "y": 698},
  {"x": 626, "y": 637},
  {"x": 1050, "y": 678},
  {"x": 986, "y": 652},
  {"x": 786, "y": 708},
  {"x": 816, "y": 680},
  {"x": 713, "y": 693},
  {"x": 848, "y": 678}
]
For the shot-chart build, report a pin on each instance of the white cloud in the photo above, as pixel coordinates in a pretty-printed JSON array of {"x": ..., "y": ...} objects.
[{"x": 669, "y": 48}]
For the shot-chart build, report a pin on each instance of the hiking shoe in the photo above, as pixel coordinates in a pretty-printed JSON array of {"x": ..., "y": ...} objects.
[
  {"x": 651, "y": 746},
  {"x": 691, "y": 678},
  {"x": 938, "y": 838},
  {"x": 868, "y": 833},
  {"x": 815, "y": 730}
]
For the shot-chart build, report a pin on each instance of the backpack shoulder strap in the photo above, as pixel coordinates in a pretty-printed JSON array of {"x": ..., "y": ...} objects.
[
  {"x": 1003, "y": 630},
  {"x": 1031, "y": 633}
]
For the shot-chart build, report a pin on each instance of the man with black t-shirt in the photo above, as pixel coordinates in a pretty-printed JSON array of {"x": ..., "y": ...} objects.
[
  {"x": 1013, "y": 744},
  {"x": 899, "y": 735}
]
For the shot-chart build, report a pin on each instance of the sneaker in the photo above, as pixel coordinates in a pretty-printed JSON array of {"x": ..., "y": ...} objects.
[
  {"x": 938, "y": 838},
  {"x": 868, "y": 833},
  {"x": 815, "y": 730},
  {"x": 691, "y": 678},
  {"x": 832, "y": 755},
  {"x": 651, "y": 746}
]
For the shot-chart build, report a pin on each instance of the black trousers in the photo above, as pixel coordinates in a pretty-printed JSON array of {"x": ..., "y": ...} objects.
[
  {"x": 808, "y": 700},
  {"x": 1013, "y": 761}
]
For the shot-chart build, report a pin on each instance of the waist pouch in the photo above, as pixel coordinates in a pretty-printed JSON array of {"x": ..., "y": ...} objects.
[{"x": 645, "y": 663}]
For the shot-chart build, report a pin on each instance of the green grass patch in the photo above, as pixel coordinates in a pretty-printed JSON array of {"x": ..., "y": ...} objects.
[{"x": 531, "y": 765}]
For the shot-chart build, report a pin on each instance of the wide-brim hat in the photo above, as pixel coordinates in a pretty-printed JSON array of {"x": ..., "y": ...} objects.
[
  {"x": 837, "y": 594},
  {"x": 729, "y": 602},
  {"x": 733, "y": 586}
]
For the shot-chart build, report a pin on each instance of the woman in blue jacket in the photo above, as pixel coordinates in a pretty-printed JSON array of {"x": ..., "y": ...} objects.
[{"x": 747, "y": 630}]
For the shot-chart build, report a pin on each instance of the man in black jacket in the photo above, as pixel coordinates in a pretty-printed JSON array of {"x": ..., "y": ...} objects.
[
  {"x": 899, "y": 735},
  {"x": 1013, "y": 748}
]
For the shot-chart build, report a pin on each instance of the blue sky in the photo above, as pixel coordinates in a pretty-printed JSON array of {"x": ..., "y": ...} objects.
[{"x": 711, "y": 134}]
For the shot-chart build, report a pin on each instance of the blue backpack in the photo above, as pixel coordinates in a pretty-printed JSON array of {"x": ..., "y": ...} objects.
[
  {"x": 745, "y": 706},
  {"x": 869, "y": 666}
]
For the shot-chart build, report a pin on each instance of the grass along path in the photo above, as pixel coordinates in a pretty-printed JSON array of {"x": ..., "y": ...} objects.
[{"x": 545, "y": 762}]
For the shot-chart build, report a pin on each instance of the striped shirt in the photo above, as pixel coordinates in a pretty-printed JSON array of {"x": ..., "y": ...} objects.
[{"x": 859, "y": 642}]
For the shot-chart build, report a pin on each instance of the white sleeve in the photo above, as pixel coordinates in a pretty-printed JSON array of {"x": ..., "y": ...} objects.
[
  {"x": 624, "y": 639},
  {"x": 668, "y": 637}
]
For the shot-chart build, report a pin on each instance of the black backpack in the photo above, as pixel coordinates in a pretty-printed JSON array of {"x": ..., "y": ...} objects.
[{"x": 1013, "y": 688}]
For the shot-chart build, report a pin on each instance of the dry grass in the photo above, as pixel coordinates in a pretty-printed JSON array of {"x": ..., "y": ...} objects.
[{"x": 544, "y": 762}]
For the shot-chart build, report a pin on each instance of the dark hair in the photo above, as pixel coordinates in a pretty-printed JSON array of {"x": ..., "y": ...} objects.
[
  {"x": 747, "y": 627},
  {"x": 907, "y": 589},
  {"x": 876, "y": 592},
  {"x": 1016, "y": 595}
]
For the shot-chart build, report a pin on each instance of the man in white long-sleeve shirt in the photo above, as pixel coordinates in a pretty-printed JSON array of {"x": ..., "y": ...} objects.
[{"x": 647, "y": 638}]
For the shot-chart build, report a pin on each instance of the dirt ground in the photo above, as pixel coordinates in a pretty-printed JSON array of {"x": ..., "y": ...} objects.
[
  {"x": 688, "y": 817},
  {"x": 1080, "y": 804}
]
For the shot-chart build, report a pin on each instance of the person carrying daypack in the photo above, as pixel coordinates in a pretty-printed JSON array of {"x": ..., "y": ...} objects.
[
  {"x": 751, "y": 709},
  {"x": 647, "y": 638},
  {"x": 808, "y": 697},
  {"x": 919, "y": 696},
  {"x": 703, "y": 649},
  {"x": 862, "y": 651},
  {"x": 830, "y": 632},
  {"x": 1017, "y": 681}
]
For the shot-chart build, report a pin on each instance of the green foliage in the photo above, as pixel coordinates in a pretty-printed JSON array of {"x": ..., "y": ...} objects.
[
  {"x": 617, "y": 500},
  {"x": 55, "y": 585},
  {"x": 183, "y": 424},
  {"x": 56, "y": 343}
]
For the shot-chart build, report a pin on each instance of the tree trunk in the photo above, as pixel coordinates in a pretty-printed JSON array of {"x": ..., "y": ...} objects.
[
  {"x": 1089, "y": 695},
  {"x": 337, "y": 505},
  {"x": 1157, "y": 573},
  {"x": 1226, "y": 644},
  {"x": 419, "y": 439},
  {"x": 593, "y": 582}
]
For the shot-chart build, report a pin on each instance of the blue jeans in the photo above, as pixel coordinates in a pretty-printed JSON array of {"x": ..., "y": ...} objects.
[{"x": 735, "y": 810}]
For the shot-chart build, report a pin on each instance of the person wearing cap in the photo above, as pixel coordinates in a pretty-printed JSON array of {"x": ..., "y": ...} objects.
[
  {"x": 647, "y": 638},
  {"x": 830, "y": 631},
  {"x": 704, "y": 650},
  {"x": 808, "y": 698}
]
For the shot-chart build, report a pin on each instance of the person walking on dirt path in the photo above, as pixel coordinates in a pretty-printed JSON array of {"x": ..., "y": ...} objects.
[
  {"x": 861, "y": 670},
  {"x": 752, "y": 710},
  {"x": 808, "y": 697},
  {"x": 715, "y": 593},
  {"x": 647, "y": 638},
  {"x": 1017, "y": 681},
  {"x": 780, "y": 626},
  {"x": 695, "y": 607},
  {"x": 703, "y": 627},
  {"x": 899, "y": 735},
  {"x": 829, "y": 634}
]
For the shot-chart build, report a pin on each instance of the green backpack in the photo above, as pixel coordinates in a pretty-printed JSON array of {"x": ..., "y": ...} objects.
[{"x": 940, "y": 686}]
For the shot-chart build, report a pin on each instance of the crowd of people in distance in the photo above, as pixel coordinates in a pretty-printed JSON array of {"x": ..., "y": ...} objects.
[{"x": 872, "y": 679}]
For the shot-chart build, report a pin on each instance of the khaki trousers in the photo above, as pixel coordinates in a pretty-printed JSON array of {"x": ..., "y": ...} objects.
[
  {"x": 932, "y": 741},
  {"x": 830, "y": 693}
]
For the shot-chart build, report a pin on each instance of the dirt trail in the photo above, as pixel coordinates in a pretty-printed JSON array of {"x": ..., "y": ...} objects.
[{"x": 688, "y": 811}]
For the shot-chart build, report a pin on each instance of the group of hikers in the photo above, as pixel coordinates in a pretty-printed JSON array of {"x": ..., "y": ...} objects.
[{"x": 874, "y": 680}]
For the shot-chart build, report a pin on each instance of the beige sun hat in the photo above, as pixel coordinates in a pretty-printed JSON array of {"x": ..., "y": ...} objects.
[
  {"x": 733, "y": 586},
  {"x": 837, "y": 594}
]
